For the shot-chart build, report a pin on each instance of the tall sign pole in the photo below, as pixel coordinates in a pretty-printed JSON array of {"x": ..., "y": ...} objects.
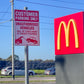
[
  {"x": 12, "y": 9},
  {"x": 26, "y": 61},
  {"x": 26, "y": 32}
]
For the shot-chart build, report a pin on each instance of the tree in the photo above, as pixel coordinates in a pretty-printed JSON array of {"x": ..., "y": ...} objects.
[
  {"x": 16, "y": 58},
  {"x": 0, "y": 59}
]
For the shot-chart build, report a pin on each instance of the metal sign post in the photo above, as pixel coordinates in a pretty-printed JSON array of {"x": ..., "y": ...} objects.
[
  {"x": 26, "y": 62},
  {"x": 26, "y": 32},
  {"x": 26, "y": 66}
]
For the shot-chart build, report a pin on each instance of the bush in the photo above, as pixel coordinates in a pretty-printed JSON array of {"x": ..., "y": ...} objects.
[{"x": 39, "y": 72}]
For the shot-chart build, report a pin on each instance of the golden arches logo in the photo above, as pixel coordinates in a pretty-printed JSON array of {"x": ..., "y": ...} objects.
[{"x": 67, "y": 31}]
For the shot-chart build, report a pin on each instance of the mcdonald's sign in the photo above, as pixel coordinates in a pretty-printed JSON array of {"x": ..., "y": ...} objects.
[{"x": 68, "y": 33}]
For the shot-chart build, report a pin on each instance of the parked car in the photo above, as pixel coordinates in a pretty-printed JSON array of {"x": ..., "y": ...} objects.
[
  {"x": 50, "y": 71},
  {"x": 18, "y": 71}
]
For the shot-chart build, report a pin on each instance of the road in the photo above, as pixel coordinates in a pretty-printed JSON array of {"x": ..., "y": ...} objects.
[
  {"x": 31, "y": 78},
  {"x": 33, "y": 83},
  {"x": 51, "y": 80}
]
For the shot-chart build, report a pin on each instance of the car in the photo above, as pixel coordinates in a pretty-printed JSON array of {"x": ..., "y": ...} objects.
[
  {"x": 18, "y": 71},
  {"x": 32, "y": 40},
  {"x": 50, "y": 71}
]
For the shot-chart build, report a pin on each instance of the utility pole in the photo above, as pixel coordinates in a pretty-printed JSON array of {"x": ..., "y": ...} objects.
[
  {"x": 12, "y": 10},
  {"x": 26, "y": 62}
]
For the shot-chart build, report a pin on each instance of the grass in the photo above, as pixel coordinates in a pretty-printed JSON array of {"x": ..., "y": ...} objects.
[
  {"x": 39, "y": 71},
  {"x": 11, "y": 81},
  {"x": 43, "y": 76},
  {"x": 10, "y": 76},
  {"x": 29, "y": 81},
  {"x": 30, "y": 76},
  {"x": 0, "y": 72}
]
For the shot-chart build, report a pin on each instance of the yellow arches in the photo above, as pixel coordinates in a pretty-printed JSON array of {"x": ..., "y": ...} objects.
[{"x": 67, "y": 33}]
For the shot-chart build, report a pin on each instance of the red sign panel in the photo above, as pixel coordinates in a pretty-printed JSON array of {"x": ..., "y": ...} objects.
[
  {"x": 68, "y": 31},
  {"x": 26, "y": 15},
  {"x": 26, "y": 28}
]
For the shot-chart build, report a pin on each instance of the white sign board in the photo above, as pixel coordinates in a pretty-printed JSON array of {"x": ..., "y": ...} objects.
[{"x": 26, "y": 28}]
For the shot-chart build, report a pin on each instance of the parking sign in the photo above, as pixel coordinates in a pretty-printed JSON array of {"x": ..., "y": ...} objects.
[{"x": 26, "y": 28}]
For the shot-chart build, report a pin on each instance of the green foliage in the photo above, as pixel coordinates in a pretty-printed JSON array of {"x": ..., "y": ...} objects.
[
  {"x": 0, "y": 72},
  {"x": 41, "y": 64},
  {"x": 37, "y": 64},
  {"x": 16, "y": 58},
  {"x": 39, "y": 71}
]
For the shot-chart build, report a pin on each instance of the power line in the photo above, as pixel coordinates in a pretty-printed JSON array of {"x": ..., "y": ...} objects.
[
  {"x": 10, "y": 29},
  {"x": 79, "y": 3},
  {"x": 10, "y": 26},
  {"x": 46, "y": 29},
  {"x": 39, "y": 16},
  {"x": 39, "y": 22},
  {"x": 5, "y": 12},
  {"x": 46, "y": 23},
  {"x": 5, "y": 26},
  {"x": 47, "y": 17},
  {"x": 49, "y": 5},
  {"x": 4, "y": 21}
]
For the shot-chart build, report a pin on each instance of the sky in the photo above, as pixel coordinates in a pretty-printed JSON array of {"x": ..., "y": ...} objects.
[{"x": 48, "y": 11}]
